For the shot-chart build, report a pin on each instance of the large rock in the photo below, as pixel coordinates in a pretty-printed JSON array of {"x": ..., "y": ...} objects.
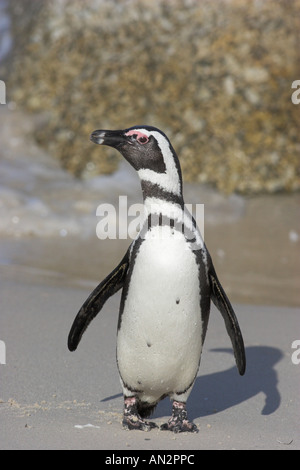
[{"x": 215, "y": 76}]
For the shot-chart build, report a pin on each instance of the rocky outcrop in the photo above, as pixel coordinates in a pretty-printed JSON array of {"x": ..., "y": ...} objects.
[{"x": 215, "y": 76}]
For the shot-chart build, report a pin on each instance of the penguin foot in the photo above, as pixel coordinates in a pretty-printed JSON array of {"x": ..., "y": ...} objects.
[
  {"x": 132, "y": 419},
  {"x": 137, "y": 423},
  {"x": 178, "y": 421}
]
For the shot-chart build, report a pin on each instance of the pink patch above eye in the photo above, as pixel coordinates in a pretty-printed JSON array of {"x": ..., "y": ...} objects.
[{"x": 138, "y": 134}]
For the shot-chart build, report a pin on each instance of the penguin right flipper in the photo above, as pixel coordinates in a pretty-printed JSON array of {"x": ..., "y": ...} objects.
[
  {"x": 223, "y": 304},
  {"x": 93, "y": 304}
]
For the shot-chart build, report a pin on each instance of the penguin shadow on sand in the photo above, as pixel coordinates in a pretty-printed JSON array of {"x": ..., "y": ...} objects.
[{"x": 216, "y": 392}]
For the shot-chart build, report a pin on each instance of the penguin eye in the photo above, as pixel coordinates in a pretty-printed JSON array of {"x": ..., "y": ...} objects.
[
  {"x": 138, "y": 136},
  {"x": 143, "y": 139}
]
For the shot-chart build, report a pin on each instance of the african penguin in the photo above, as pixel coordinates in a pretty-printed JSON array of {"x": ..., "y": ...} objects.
[{"x": 167, "y": 279}]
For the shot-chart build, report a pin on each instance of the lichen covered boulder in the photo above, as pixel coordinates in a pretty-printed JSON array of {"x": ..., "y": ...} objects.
[{"x": 215, "y": 76}]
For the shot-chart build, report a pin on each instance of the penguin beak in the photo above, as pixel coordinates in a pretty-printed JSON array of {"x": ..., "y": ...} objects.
[{"x": 110, "y": 138}]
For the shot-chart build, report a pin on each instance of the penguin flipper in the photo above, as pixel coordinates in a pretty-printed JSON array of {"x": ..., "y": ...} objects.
[
  {"x": 93, "y": 304},
  {"x": 223, "y": 304}
]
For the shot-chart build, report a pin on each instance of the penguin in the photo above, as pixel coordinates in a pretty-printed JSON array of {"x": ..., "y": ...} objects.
[{"x": 168, "y": 280}]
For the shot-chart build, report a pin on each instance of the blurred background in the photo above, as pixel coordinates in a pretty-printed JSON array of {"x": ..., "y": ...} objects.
[{"x": 215, "y": 76}]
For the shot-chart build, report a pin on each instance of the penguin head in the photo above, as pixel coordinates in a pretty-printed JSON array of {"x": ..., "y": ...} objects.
[{"x": 149, "y": 151}]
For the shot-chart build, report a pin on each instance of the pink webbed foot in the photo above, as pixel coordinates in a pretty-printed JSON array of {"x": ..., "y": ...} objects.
[
  {"x": 132, "y": 419},
  {"x": 178, "y": 421}
]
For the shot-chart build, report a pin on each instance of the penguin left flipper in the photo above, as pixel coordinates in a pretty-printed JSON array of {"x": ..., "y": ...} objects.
[
  {"x": 93, "y": 304},
  {"x": 223, "y": 304}
]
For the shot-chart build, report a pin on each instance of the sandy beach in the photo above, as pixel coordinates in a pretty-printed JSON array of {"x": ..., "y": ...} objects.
[{"x": 54, "y": 399}]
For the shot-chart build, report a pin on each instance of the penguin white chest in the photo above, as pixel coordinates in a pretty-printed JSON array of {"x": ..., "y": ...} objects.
[{"x": 159, "y": 341}]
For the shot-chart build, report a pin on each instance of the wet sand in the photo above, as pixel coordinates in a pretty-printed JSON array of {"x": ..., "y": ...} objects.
[{"x": 256, "y": 255}]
